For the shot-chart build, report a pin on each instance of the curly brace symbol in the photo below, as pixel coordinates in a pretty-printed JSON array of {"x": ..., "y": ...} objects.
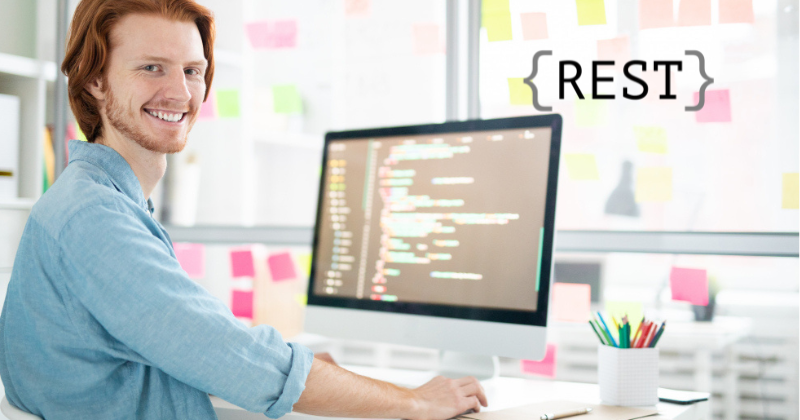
[
  {"x": 529, "y": 81},
  {"x": 708, "y": 80}
]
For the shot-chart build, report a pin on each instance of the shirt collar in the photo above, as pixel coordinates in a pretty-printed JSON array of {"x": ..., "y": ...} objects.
[{"x": 113, "y": 164}]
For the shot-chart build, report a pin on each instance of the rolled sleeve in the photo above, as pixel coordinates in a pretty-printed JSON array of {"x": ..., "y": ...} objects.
[{"x": 302, "y": 358}]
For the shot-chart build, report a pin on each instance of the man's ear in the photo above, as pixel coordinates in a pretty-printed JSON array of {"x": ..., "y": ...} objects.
[{"x": 95, "y": 88}]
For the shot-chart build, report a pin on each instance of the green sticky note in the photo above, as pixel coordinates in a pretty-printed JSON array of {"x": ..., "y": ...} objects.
[
  {"x": 591, "y": 12},
  {"x": 651, "y": 139},
  {"x": 581, "y": 166},
  {"x": 304, "y": 261},
  {"x": 286, "y": 99},
  {"x": 498, "y": 25},
  {"x": 589, "y": 113},
  {"x": 519, "y": 92},
  {"x": 228, "y": 103},
  {"x": 618, "y": 309}
]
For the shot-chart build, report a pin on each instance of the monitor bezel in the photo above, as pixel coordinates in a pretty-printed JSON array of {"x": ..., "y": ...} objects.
[{"x": 519, "y": 317}]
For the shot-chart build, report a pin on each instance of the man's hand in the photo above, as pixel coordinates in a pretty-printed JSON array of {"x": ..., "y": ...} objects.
[{"x": 444, "y": 398}]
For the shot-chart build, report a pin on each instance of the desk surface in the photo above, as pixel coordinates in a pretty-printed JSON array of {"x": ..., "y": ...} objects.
[{"x": 501, "y": 393}]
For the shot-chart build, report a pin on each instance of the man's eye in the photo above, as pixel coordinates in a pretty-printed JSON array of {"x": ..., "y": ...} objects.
[
  {"x": 151, "y": 67},
  {"x": 192, "y": 72}
]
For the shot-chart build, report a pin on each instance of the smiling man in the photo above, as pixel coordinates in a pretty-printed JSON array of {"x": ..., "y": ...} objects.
[{"x": 100, "y": 321}]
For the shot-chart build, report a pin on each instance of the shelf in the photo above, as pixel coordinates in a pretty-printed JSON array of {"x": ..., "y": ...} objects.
[
  {"x": 17, "y": 204},
  {"x": 27, "y": 67}
]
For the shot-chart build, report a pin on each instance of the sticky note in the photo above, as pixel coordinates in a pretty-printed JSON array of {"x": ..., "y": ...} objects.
[
  {"x": 717, "y": 106},
  {"x": 651, "y": 139},
  {"x": 228, "y": 103},
  {"x": 546, "y": 367},
  {"x": 489, "y": 6},
  {"x": 534, "y": 26},
  {"x": 498, "y": 25},
  {"x": 427, "y": 39},
  {"x": 791, "y": 187},
  {"x": 281, "y": 266},
  {"x": 736, "y": 11},
  {"x": 357, "y": 8},
  {"x": 581, "y": 166},
  {"x": 208, "y": 109},
  {"x": 242, "y": 264},
  {"x": 615, "y": 49},
  {"x": 653, "y": 184},
  {"x": 689, "y": 284},
  {"x": 286, "y": 99},
  {"x": 589, "y": 113},
  {"x": 192, "y": 258},
  {"x": 591, "y": 12},
  {"x": 304, "y": 261},
  {"x": 242, "y": 304},
  {"x": 694, "y": 12},
  {"x": 655, "y": 14},
  {"x": 272, "y": 35},
  {"x": 618, "y": 309},
  {"x": 519, "y": 93},
  {"x": 301, "y": 299},
  {"x": 572, "y": 302}
]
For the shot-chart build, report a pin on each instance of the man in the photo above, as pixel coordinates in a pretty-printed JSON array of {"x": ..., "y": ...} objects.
[{"x": 99, "y": 319}]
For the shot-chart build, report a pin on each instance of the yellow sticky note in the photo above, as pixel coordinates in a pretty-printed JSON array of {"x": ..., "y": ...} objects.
[
  {"x": 618, "y": 309},
  {"x": 589, "y": 113},
  {"x": 654, "y": 184},
  {"x": 581, "y": 166},
  {"x": 651, "y": 139},
  {"x": 489, "y": 6},
  {"x": 228, "y": 103},
  {"x": 498, "y": 25},
  {"x": 519, "y": 92},
  {"x": 591, "y": 12},
  {"x": 301, "y": 299},
  {"x": 304, "y": 261},
  {"x": 791, "y": 187}
]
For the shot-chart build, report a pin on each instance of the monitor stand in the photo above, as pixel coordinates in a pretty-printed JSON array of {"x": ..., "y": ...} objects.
[{"x": 453, "y": 364}]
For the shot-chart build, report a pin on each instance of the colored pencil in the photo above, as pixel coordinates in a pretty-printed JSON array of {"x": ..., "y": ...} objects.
[
  {"x": 607, "y": 330},
  {"x": 650, "y": 335},
  {"x": 597, "y": 333},
  {"x": 658, "y": 334},
  {"x": 602, "y": 331}
]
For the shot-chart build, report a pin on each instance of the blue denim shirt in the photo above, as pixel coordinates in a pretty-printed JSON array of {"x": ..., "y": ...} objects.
[{"x": 100, "y": 321}]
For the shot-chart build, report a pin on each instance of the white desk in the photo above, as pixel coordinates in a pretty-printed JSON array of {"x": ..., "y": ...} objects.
[{"x": 501, "y": 393}]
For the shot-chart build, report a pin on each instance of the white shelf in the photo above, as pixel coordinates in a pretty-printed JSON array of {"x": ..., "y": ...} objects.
[
  {"x": 27, "y": 67},
  {"x": 17, "y": 204}
]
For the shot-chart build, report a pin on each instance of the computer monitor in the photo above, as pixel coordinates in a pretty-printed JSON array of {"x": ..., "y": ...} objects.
[{"x": 438, "y": 236}]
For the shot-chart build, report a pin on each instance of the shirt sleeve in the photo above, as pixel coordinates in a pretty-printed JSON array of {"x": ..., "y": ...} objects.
[{"x": 129, "y": 281}]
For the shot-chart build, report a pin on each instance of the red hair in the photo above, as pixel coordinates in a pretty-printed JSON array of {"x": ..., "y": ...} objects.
[{"x": 88, "y": 47}]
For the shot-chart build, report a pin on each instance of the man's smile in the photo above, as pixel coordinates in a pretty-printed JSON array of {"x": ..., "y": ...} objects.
[{"x": 166, "y": 116}]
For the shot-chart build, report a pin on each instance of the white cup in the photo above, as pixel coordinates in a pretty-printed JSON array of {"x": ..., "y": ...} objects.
[{"x": 628, "y": 377}]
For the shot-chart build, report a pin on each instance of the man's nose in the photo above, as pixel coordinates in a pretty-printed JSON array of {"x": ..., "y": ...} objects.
[{"x": 176, "y": 88}]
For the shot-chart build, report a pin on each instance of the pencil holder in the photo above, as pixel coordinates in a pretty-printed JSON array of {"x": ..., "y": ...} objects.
[{"x": 628, "y": 377}]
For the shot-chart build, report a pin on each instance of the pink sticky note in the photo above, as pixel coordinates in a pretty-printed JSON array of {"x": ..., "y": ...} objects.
[
  {"x": 572, "y": 302},
  {"x": 546, "y": 367},
  {"x": 242, "y": 304},
  {"x": 272, "y": 35},
  {"x": 736, "y": 11},
  {"x": 534, "y": 26},
  {"x": 717, "y": 106},
  {"x": 281, "y": 266},
  {"x": 208, "y": 109},
  {"x": 655, "y": 14},
  {"x": 694, "y": 12},
  {"x": 355, "y": 8},
  {"x": 427, "y": 39},
  {"x": 614, "y": 49},
  {"x": 242, "y": 264},
  {"x": 192, "y": 258},
  {"x": 690, "y": 285}
]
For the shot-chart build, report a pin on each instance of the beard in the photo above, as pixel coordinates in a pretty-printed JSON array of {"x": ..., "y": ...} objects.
[{"x": 123, "y": 121}]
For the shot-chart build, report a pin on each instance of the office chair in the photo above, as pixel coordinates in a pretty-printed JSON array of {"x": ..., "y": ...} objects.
[{"x": 14, "y": 413}]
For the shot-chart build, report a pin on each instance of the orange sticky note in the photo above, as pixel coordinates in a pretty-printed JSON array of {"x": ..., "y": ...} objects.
[
  {"x": 591, "y": 12},
  {"x": 736, "y": 11},
  {"x": 717, "y": 106},
  {"x": 534, "y": 26},
  {"x": 572, "y": 302},
  {"x": 242, "y": 304},
  {"x": 655, "y": 14},
  {"x": 546, "y": 367},
  {"x": 519, "y": 93},
  {"x": 581, "y": 166},
  {"x": 281, "y": 266},
  {"x": 356, "y": 8},
  {"x": 427, "y": 39},
  {"x": 192, "y": 258},
  {"x": 689, "y": 284},
  {"x": 791, "y": 190},
  {"x": 615, "y": 49},
  {"x": 208, "y": 109},
  {"x": 653, "y": 184},
  {"x": 242, "y": 264},
  {"x": 694, "y": 12},
  {"x": 272, "y": 35}
]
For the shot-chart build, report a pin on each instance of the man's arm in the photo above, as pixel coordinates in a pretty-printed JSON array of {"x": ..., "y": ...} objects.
[{"x": 333, "y": 391}]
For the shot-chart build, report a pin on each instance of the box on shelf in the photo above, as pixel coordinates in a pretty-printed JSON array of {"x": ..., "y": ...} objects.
[{"x": 9, "y": 147}]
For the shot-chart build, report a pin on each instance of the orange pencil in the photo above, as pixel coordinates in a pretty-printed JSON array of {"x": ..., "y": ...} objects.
[
  {"x": 645, "y": 330},
  {"x": 650, "y": 335},
  {"x": 638, "y": 330}
]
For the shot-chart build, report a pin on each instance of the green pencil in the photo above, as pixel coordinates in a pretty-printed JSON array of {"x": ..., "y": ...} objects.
[{"x": 597, "y": 333}]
